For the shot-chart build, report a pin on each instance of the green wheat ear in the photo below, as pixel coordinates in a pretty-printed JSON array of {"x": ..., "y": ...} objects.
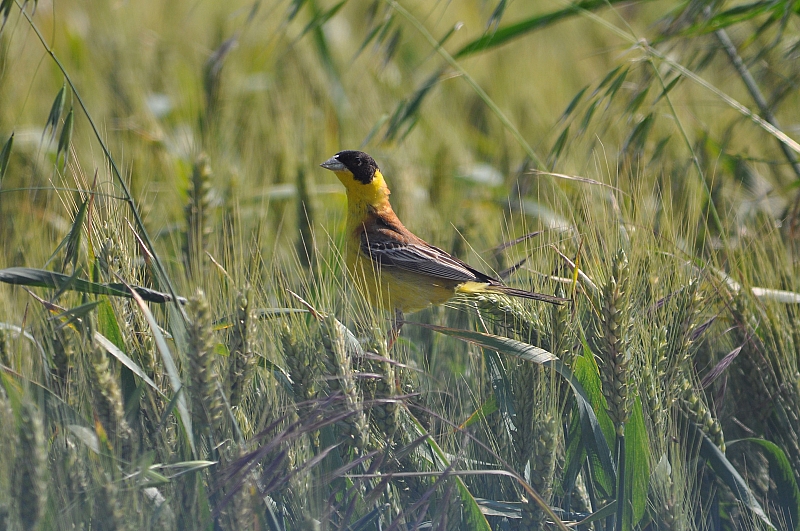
[
  {"x": 339, "y": 365},
  {"x": 197, "y": 214},
  {"x": 385, "y": 412},
  {"x": 30, "y": 489},
  {"x": 207, "y": 405},
  {"x": 614, "y": 337},
  {"x": 8, "y": 440},
  {"x": 542, "y": 471},
  {"x": 524, "y": 386},
  {"x": 509, "y": 314},
  {"x": 107, "y": 400},
  {"x": 242, "y": 359},
  {"x": 303, "y": 367},
  {"x": 5, "y": 358},
  {"x": 697, "y": 411}
]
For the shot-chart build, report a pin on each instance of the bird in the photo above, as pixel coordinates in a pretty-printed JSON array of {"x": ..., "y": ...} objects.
[{"x": 400, "y": 269}]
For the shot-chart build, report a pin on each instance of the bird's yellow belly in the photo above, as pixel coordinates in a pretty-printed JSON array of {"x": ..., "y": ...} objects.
[{"x": 392, "y": 288}]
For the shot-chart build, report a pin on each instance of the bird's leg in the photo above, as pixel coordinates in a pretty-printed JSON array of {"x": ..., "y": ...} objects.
[{"x": 397, "y": 324}]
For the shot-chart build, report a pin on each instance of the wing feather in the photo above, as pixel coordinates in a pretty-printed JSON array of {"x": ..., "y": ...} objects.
[{"x": 423, "y": 259}]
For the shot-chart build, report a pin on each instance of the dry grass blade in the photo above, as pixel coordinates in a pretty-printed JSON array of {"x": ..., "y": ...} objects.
[{"x": 576, "y": 178}]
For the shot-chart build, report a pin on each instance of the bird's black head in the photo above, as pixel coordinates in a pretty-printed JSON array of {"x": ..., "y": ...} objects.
[{"x": 361, "y": 165}]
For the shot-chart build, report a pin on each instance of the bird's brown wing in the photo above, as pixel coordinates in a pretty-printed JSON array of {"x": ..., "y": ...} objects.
[{"x": 388, "y": 243}]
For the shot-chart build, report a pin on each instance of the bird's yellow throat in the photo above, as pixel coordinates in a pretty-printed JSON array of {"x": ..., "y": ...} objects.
[{"x": 375, "y": 194}]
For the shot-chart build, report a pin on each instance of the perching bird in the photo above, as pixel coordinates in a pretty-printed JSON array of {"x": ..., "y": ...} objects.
[{"x": 401, "y": 271}]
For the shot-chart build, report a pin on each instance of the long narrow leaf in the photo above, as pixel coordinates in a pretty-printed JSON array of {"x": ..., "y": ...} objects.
[
  {"x": 780, "y": 471},
  {"x": 169, "y": 365},
  {"x": 112, "y": 349},
  {"x": 5, "y": 154},
  {"x": 487, "y": 408},
  {"x": 56, "y": 110},
  {"x": 74, "y": 314},
  {"x": 5, "y": 10},
  {"x": 727, "y": 473},
  {"x": 74, "y": 238},
  {"x": 472, "y": 511},
  {"x": 322, "y": 17},
  {"x": 594, "y": 436},
  {"x": 637, "y": 467},
  {"x": 65, "y": 138},
  {"x": 514, "y": 31},
  {"x": 41, "y": 278}
]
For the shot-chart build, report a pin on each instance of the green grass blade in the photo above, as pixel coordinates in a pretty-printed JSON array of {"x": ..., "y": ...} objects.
[
  {"x": 74, "y": 314},
  {"x": 615, "y": 86},
  {"x": 170, "y": 366},
  {"x": 73, "y": 246},
  {"x": 514, "y": 31},
  {"x": 380, "y": 28},
  {"x": 605, "y": 81},
  {"x": 637, "y": 137},
  {"x": 472, "y": 511},
  {"x": 728, "y": 474},
  {"x": 574, "y": 455},
  {"x": 735, "y": 15},
  {"x": 68, "y": 285},
  {"x": 107, "y": 324},
  {"x": 322, "y": 17},
  {"x": 573, "y": 103},
  {"x": 785, "y": 483},
  {"x": 596, "y": 430},
  {"x": 587, "y": 117},
  {"x": 592, "y": 433},
  {"x": 5, "y": 11},
  {"x": 123, "y": 358},
  {"x": 41, "y": 278},
  {"x": 637, "y": 101},
  {"x": 637, "y": 467},
  {"x": 488, "y": 407},
  {"x": 405, "y": 114},
  {"x": 5, "y": 154},
  {"x": 599, "y": 515},
  {"x": 497, "y": 15},
  {"x": 558, "y": 147},
  {"x": 56, "y": 110},
  {"x": 501, "y": 385},
  {"x": 65, "y": 138}
]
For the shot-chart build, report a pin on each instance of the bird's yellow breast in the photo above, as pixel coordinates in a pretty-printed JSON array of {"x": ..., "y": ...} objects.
[{"x": 392, "y": 288}]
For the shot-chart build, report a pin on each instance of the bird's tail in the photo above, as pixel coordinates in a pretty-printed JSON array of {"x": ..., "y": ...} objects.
[{"x": 481, "y": 287}]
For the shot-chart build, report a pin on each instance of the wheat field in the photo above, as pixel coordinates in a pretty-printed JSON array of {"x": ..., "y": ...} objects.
[{"x": 181, "y": 346}]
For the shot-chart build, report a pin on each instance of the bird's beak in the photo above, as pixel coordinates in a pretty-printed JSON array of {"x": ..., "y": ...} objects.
[{"x": 333, "y": 164}]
